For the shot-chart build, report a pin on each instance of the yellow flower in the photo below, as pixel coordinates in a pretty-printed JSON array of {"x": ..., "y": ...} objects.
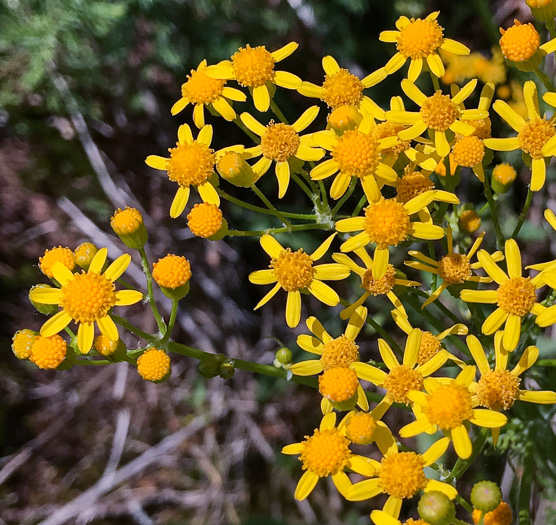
[
  {"x": 48, "y": 352},
  {"x": 439, "y": 113},
  {"x": 448, "y": 406},
  {"x": 536, "y": 136},
  {"x": 326, "y": 453},
  {"x": 86, "y": 298},
  {"x": 282, "y": 144},
  {"x": 516, "y": 295},
  {"x": 401, "y": 378},
  {"x": 202, "y": 90},
  {"x": 387, "y": 222},
  {"x": 364, "y": 428},
  {"x": 501, "y": 515},
  {"x": 191, "y": 163},
  {"x": 401, "y": 475},
  {"x": 454, "y": 268},
  {"x": 22, "y": 343},
  {"x": 205, "y": 220},
  {"x": 294, "y": 272},
  {"x": 380, "y": 517},
  {"x": 342, "y": 88},
  {"x": 154, "y": 365},
  {"x": 420, "y": 40},
  {"x": 253, "y": 67},
  {"x": 357, "y": 153},
  {"x": 372, "y": 286},
  {"x": 469, "y": 221},
  {"x": 57, "y": 254}
]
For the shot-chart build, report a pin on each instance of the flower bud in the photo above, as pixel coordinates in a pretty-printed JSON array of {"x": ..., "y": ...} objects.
[
  {"x": 436, "y": 508},
  {"x": 112, "y": 350},
  {"x": 227, "y": 370},
  {"x": 48, "y": 352},
  {"x": 234, "y": 169},
  {"x": 56, "y": 254},
  {"x": 128, "y": 226},
  {"x": 284, "y": 356},
  {"x": 172, "y": 274},
  {"x": 154, "y": 365},
  {"x": 205, "y": 220},
  {"x": 84, "y": 254},
  {"x": 543, "y": 10},
  {"x": 503, "y": 176},
  {"x": 486, "y": 496},
  {"x": 344, "y": 118},
  {"x": 501, "y": 515},
  {"x": 469, "y": 221},
  {"x": 210, "y": 366},
  {"x": 22, "y": 343}
]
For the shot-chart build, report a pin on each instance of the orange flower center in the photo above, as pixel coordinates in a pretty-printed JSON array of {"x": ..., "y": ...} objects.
[
  {"x": 411, "y": 184},
  {"x": 338, "y": 384},
  {"x": 293, "y": 270},
  {"x": 400, "y": 381},
  {"x": 339, "y": 352},
  {"x": 519, "y": 42},
  {"x": 430, "y": 346},
  {"x": 356, "y": 153},
  {"x": 449, "y": 406},
  {"x": 326, "y": 452},
  {"x": 454, "y": 268},
  {"x": 402, "y": 474},
  {"x": 379, "y": 286},
  {"x": 88, "y": 297},
  {"x": 202, "y": 89},
  {"x": 342, "y": 89},
  {"x": 279, "y": 142},
  {"x": 498, "y": 389},
  {"x": 439, "y": 112},
  {"x": 253, "y": 66},
  {"x": 204, "y": 219},
  {"x": 468, "y": 151},
  {"x": 190, "y": 164},
  {"x": 360, "y": 428},
  {"x": 386, "y": 222},
  {"x": 534, "y": 135},
  {"x": 517, "y": 296},
  {"x": 420, "y": 38}
]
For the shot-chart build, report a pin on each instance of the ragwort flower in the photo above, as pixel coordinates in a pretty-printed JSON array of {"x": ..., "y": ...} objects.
[
  {"x": 420, "y": 40},
  {"x": 516, "y": 295},
  {"x": 536, "y": 136},
  {"x": 448, "y": 405},
  {"x": 387, "y": 222},
  {"x": 86, "y": 298},
  {"x": 281, "y": 143},
  {"x": 293, "y": 272},
  {"x": 253, "y": 67},
  {"x": 202, "y": 90}
]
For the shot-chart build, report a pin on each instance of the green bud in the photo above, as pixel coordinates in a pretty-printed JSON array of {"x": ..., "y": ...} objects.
[
  {"x": 436, "y": 508},
  {"x": 84, "y": 254},
  {"x": 284, "y": 356},
  {"x": 486, "y": 496},
  {"x": 227, "y": 370},
  {"x": 210, "y": 365},
  {"x": 46, "y": 309},
  {"x": 128, "y": 226}
]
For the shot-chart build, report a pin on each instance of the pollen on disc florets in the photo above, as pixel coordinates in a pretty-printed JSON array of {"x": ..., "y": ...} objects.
[
  {"x": 204, "y": 219},
  {"x": 482, "y": 127},
  {"x": 253, "y": 66},
  {"x": 420, "y": 38},
  {"x": 325, "y": 453},
  {"x": 439, "y": 112},
  {"x": 153, "y": 365},
  {"x": 430, "y": 346},
  {"x": 202, "y": 89},
  {"x": 48, "y": 352},
  {"x": 449, "y": 406},
  {"x": 504, "y": 173},
  {"x": 343, "y": 118},
  {"x": 279, "y": 142},
  {"x": 126, "y": 221},
  {"x": 402, "y": 474},
  {"x": 379, "y": 286},
  {"x": 339, "y": 352},
  {"x": 389, "y": 129},
  {"x": 338, "y": 384},
  {"x": 497, "y": 389},
  {"x": 517, "y": 296},
  {"x": 88, "y": 297},
  {"x": 341, "y": 89},
  {"x": 411, "y": 184},
  {"x": 190, "y": 164},
  {"x": 519, "y": 42},
  {"x": 501, "y": 515},
  {"x": 293, "y": 270},
  {"x": 400, "y": 380},
  {"x": 454, "y": 268},
  {"x": 534, "y": 135},
  {"x": 411, "y": 521},
  {"x": 58, "y": 254},
  {"x": 387, "y": 222},
  {"x": 469, "y": 221},
  {"x": 172, "y": 271},
  {"x": 468, "y": 151},
  {"x": 22, "y": 343},
  {"x": 356, "y": 153},
  {"x": 360, "y": 428}
]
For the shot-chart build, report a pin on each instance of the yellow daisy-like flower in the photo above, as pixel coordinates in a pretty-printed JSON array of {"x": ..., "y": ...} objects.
[
  {"x": 383, "y": 286},
  {"x": 439, "y": 113},
  {"x": 253, "y": 67},
  {"x": 202, "y": 90},
  {"x": 454, "y": 268},
  {"x": 293, "y": 272},
  {"x": 191, "y": 163},
  {"x": 57, "y": 254},
  {"x": 405, "y": 377},
  {"x": 401, "y": 475},
  {"x": 420, "y": 40},
  {"x": 364, "y": 428},
  {"x": 342, "y": 88},
  {"x": 387, "y": 222},
  {"x": 536, "y": 136},
  {"x": 86, "y": 298},
  {"x": 357, "y": 153},
  {"x": 431, "y": 344},
  {"x": 516, "y": 295},
  {"x": 380, "y": 517},
  {"x": 327, "y": 453},
  {"x": 281, "y": 143},
  {"x": 498, "y": 388},
  {"x": 448, "y": 405}
]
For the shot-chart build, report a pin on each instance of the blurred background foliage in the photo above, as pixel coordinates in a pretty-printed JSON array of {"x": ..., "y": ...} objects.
[{"x": 85, "y": 94}]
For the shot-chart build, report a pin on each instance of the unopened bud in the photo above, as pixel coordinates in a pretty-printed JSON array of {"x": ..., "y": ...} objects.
[
  {"x": 128, "y": 226},
  {"x": 233, "y": 167},
  {"x": 436, "y": 508},
  {"x": 486, "y": 496},
  {"x": 344, "y": 118},
  {"x": 84, "y": 254}
]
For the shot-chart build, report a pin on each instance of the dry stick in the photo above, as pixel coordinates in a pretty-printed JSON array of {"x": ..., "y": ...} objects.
[{"x": 89, "y": 497}]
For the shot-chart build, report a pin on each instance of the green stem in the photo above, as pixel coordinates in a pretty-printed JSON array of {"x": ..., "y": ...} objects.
[
  {"x": 84, "y": 362},
  {"x": 276, "y": 110},
  {"x": 434, "y": 276},
  {"x": 295, "y": 227},
  {"x": 359, "y": 206},
  {"x": 345, "y": 197},
  {"x": 524, "y": 498},
  {"x": 551, "y": 26},
  {"x": 171, "y": 322},
  {"x": 324, "y": 199},
  {"x": 462, "y": 465},
  {"x": 494, "y": 214},
  {"x": 451, "y": 183},
  {"x": 544, "y": 79},
  {"x": 150, "y": 293},
  {"x": 269, "y": 205},
  {"x": 546, "y": 362},
  {"x": 299, "y": 181},
  {"x": 255, "y": 138},
  {"x": 523, "y": 214},
  {"x": 258, "y": 209},
  {"x": 464, "y": 504},
  {"x": 131, "y": 328},
  {"x": 435, "y": 83}
]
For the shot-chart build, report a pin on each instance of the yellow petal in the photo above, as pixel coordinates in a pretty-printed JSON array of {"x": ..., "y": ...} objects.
[
  {"x": 479, "y": 296},
  {"x": 128, "y": 297},
  {"x": 262, "y": 277},
  {"x": 331, "y": 272},
  {"x": 176, "y": 108},
  {"x": 234, "y": 94},
  {"x": 341, "y": 482},
  {"x": 47, "y": 295},
  {"x": 412, "y": 346},
  {"x": 324, "y": 169},
  {"x": 261, "y": 98},
  {"x": 465, "y": 92},
  {"x": 415, "y": 68},
  {"x": 339, "y": 185},
  {"x": 268, "y": 296},
  {"x": 294, "y": 449},
  {"x": 184, "y": 134},
  {"x": 253, "y": 124},
  {"x": 156, "y": 162},
  {"x": 284, "y": 51},
  {"x": 305, "y": 485},
  {"x": 283, "y": 177},
  {"x": 416, "y": 427},
  {"x": 395, "y": 63},
  {"x": 287, "y": 80},
  {"x": 531, "y": 100},
  {"x": 388, "y": 356},
  {"x": 362, "y": 465},
  {"x": 180, "y": 201},
  {"x": 271, "y": 246},
  {"x": 323, "y": 293},
  {"x": 370, "y": 187},
  {"x": 307, "y": 368},
  {"x": 454, "y": 47},
  {"x": 527, "y": 360},
  {"x": 118, "y": 267},
  {"x": 478, "y": 354},
  {"x": 379, "y": 517},
  {"x": 108, "y": 328},
  {"x": 435, "y": 451},
  {"x": 490, "y": 267},
  {"x": 494, "y": 321},
  {"x": 356, "y": 323},
  {"x": 515, "y": 120},
  {"x": 293, "y": 309},
  {"x": 55, "y": 324},
  {"x": 96, "y": 264},
  {"x": 440, "y": 486},
  {"x": 512, "y": 332},
  {"x": 435, "y": 65},
  {"x": 513, "y": 258},
  {"x": 355, "y": 242},
  {"x": 488, "y": 418},
  {"x": 508, "y": 144},
  {"x": 462, "y": 443},
  {"x": 542, "y": 397},
  {"x": 199, "y": 115},
  {"x": 364, "y": 490},
  {"x": 429, "y": 232},
  {"x": 538, "y": 176},
  {"x": 85, "y": 336},
  {"x": 369, "y": 373}
]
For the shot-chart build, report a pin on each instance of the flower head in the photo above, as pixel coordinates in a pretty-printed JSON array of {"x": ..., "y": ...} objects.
[
  {"x": 48, "y": 352},
  {"x": 469, "y": 221},
  {"x": 420, "y": 40},
  {"x": 293, "y": 272},
  {"x": 22, "y": 343},
  {"x": 58, "y": 254},
  {"x": 172, "y": 271},
  {"x": 86, "y": 298},
  {"x": 501, "y": 515},
  {"x": 128, "y": 226},
  {"x": 153, "y": 365},
  {"x": 253, "y": 67},
  {"x": 205, "y": 220},
  {"x": 84, "y": 254},
  {"x": 515, "y": 297}
]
